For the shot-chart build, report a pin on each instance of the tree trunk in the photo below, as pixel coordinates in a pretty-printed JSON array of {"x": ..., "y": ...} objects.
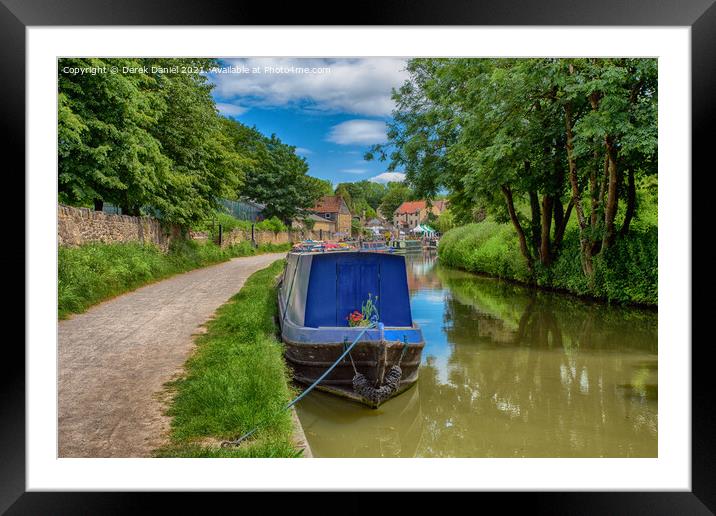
[
  {"x": 560, "y": 224},
  {"x": 535, "y": 226},
  {"x": 545, "y": 253},
  {"x": 593, "y": 193},
  {"x": 631, "y": 204},
  {"x": 584, "y": 242},
  {"x": 98, "y": 204},
  {"x": 518, "y": 227},
  {"x": 610, "y": 210}
]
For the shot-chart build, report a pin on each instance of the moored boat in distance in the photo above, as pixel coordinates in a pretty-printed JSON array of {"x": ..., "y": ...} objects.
[
  {"x": 324, "y": 300},
  {"x": 376, "y": 246},
  {"x": 406, "y": 246}
]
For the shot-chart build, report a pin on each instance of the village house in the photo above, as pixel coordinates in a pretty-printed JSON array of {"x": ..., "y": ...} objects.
[
  {"x": 411, "y": 213},
  {"x": 334, "y": 208},
  {"x": 319, "y": 225}
]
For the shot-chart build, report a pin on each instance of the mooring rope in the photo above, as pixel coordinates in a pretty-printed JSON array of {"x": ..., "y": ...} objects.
[{"x": 347, "y": 351}]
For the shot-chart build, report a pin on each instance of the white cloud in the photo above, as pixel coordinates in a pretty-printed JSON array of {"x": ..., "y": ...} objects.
[
  {"x": 358, "y": 86},
  {"x": 354, "y": 170},
  {"x": 358, "y": 132},
  {"x": 303, "y": 151},
  {"x": 230, "y": 109},
  {"x": 389, "y": 177}
]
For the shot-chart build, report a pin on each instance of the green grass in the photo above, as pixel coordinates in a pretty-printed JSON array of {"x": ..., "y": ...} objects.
[
  {"x": 625, "y": 273},
  {"x": 487, "y": 247},
  {"x": 94, "y": 272},
  {"x": 236, "y": 379}
]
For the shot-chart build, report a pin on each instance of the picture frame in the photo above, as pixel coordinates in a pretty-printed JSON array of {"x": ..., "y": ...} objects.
[{"x": 17, "y": 15}]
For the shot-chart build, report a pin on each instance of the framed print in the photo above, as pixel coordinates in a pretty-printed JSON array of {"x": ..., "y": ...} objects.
[{"x": 425, "y": 251}]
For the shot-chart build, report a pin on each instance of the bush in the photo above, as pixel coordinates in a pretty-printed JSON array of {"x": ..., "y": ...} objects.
[
  {"x": 627, "y": 272},
  {"x": 486, "y": 247},
  {"x": 272, "y": 224},
  {"x": 228, "y": 223}
]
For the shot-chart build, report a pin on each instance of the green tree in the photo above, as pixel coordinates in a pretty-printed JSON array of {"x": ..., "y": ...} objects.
[
  {"x": 144, "y": 140},
  {"x": 445, "y": 221},
  {"x": 321, "y": 187},
  {"x": 525, "y": 139},
  {"x": 368, "y": 191},
  {"x": 610, "y": 117},
  {"x": 106, "y": 149},
  {"x": 396, "y": 195},
  {"x": 190, "y": 131},
  {"x": 279, "y": 177}
]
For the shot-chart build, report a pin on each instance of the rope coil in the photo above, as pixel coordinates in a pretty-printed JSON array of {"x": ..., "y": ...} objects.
[{"x": 391, "y": 382}]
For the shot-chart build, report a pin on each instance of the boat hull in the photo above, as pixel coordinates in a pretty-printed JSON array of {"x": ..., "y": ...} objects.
[{"x": 372, "y": 359}]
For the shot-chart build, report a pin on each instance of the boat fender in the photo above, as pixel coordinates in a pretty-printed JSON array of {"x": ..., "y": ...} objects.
[{"x": 362, "y": 386}]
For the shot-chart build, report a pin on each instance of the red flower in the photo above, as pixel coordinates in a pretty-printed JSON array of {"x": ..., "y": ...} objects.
[{"x": 355, "y": 317}]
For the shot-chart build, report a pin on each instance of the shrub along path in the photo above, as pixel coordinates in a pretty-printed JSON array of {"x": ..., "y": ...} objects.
[{"x": 115, "y": 358}]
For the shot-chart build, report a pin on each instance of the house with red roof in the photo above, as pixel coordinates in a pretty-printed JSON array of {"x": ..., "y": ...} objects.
[
  {"x": 411, "y": 213},
  {"x": 335, "y": 209}
]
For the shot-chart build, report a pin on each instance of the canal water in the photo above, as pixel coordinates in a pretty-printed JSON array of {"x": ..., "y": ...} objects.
[{"x": 507, "y": 372}]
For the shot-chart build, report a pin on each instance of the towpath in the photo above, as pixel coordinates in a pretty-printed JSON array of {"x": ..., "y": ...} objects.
[{"x": 115, "y": 358}]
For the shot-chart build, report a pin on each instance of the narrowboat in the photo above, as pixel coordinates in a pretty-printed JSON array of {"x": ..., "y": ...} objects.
[
  {"x": 319, "y": 296},
  {"x": 431, "y": 245},
  {"x": 376, "y": 246},
  {"x": 406, "y": 246}
]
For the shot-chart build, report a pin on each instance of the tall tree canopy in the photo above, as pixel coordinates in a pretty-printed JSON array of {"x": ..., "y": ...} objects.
[
  {"x": 551, "y": 135},
  {"x": 396, "y": 194},
  {"x": 278, "y": 176},
  {"x": 143, "y": 139},
  {"x": 363, "y": 197},
  {"x": 149, "y": 139}
]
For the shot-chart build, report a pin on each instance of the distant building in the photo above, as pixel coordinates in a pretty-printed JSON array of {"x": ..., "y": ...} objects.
[
  {"x": 335, "y": 209},
  {"x": 320, "y": 225},
  {"x": 411, "y": 213}
]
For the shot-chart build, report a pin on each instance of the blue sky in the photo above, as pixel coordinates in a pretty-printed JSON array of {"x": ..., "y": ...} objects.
[{"x": 332, "y": 112}]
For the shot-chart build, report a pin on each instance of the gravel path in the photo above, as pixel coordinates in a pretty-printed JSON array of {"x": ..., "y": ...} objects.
[{"x": 115, "y": 358}]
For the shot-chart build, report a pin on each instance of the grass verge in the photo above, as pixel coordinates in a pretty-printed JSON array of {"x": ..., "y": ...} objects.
[
  {"x": 626, "y": 273},
  {"x": 236, "y": 379},
  {"x": 94, "y": 272}
]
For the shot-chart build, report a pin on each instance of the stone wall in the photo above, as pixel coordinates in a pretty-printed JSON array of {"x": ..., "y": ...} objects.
[
  {"x": 237, "y": 236},
  {"x": 77, "y": 226}
]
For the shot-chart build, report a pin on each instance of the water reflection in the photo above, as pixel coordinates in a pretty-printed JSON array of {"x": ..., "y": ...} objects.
[{"x": 507, "y": 372}]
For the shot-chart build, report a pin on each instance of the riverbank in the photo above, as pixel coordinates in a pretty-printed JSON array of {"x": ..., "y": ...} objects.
[
  {"x": 91, "y": 273},
  {"x": 236, "y": 379},
  {"x": 627, "y": 273}
]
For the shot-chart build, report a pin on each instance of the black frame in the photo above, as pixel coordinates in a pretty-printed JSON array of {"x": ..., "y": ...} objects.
[{"x": 700, "y": 15}]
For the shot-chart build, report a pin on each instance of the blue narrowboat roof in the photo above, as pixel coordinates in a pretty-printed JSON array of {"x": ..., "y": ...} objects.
[{"x": 321, "y": 289}]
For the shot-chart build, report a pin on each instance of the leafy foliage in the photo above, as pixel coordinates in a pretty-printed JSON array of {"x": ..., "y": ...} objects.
[
  {"x": 626, "y": 273},
  {"x": 142, "y": 139},
  {"x": 151, "y": 141},
  {"x": 278, "y": 175},
  {"x": 555, "y": 135},
  {"x": 396, "y": 195},
  {"x": 362, "y": 196}
]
